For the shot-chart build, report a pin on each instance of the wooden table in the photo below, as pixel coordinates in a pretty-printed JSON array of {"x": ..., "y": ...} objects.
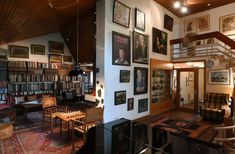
[
  {"x": 67, "y": 117},
  {"x": 28, "y": 107}
]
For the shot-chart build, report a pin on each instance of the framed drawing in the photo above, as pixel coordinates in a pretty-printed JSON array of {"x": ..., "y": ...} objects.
[
  {"x": 227, "y": 24},
  {"x": 120, "y": 97},
  {"x": 189, "y": 26},
  {"x": 142, "y": 105},
  {"x": 37, "y": 49},
  {"x": 168, "y": 22},
  {"x": 125, "y": 76},
  {"x": 140, "y": 48},
  {"x": 53, "y": 58},
  {"x": 121, "y": 14},
  {"x": 121, "y": 49},
  {"x": 18, "y": 51},
  {"x": 218, "y": 76},
  {"x": 68, "y": 59},
  {"x": 159, "y": 41},
  {"x": 56, "y": 47},
  {"x": 140, "y": 80},
  {"x": 203, "y": 23},
  {"x": 130, "y": 104},
  {"x": 139, "y": 19}
]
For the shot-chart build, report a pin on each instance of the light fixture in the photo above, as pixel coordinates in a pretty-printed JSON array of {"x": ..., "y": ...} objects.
[
  {"x": 184, "y": 9},
  {"x": 181, "y": 4},
  {"x": 177, "y": 4}
]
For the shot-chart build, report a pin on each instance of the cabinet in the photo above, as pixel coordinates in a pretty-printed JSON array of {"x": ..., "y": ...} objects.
[{"x": 160, "y": 85}]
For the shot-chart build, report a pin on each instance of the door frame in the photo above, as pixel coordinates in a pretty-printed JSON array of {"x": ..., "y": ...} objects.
[{"x": 196, "y": 89}]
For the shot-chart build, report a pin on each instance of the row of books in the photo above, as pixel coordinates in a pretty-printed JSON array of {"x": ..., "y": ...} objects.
[
  {"x": 35, "y": 65},
  {"x": 32, "y": 87}
]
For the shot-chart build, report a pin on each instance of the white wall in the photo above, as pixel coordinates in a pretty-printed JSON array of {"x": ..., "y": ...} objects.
[
  {"x": 40, "y": 40},
  {"x": 154, "y": 14}
]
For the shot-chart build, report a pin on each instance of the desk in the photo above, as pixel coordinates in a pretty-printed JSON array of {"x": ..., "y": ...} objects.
[{"x": 28, "y": 107}]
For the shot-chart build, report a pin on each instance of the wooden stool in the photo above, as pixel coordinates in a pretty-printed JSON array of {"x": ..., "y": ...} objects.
[{"x": 6, "y": 131}]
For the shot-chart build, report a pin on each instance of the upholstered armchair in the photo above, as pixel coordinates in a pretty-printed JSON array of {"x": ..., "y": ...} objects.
[{"x": 51, "y": 110}]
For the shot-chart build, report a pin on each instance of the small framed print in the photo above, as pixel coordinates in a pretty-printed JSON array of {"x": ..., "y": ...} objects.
[
  {"x": 56, "y": 47},
  {"x": 139, "y": 19},
  {"x": 125, "y": 76},
  {"x": 219, "y": 77},
  {"x": 203, "y": 23},
  {"x": 227, "y": 24},
  {"x": 142, "y": 105},
  {"x": 130, "y": 104},
  {"x": 189, "y": 26},
  {"x": 68, "y": 59},
  {"x": 121, "y": 14},
  {"x": 37, "y": 49},
  {"x": 18, "y": 51},
  {"x": 53, "y": 58},
  {"x": 120, "y": 97}
]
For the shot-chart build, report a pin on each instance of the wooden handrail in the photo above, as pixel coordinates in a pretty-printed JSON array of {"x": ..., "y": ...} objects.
[{"x": 223, "y": 38}]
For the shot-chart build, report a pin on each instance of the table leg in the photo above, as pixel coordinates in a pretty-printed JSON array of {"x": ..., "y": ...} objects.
[
  {"x": 60, "y": 127},
  {"x": 68, "y": 131}
]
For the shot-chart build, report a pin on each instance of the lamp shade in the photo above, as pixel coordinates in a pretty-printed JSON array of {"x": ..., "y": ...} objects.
[{"x": 76, "y": 72}]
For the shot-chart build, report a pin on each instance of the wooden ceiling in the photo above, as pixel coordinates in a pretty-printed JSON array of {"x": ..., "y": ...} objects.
[{"x": 194, "y": 6}]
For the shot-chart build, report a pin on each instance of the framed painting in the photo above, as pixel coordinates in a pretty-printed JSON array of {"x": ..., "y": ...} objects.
[
  {"x": 3, "y": 54},
  {"x": 68, "y": 59},
  {"x": 219, "y": 76},
  {"x": 203, "y": 23},
  {"x": 189, "y": 26},
  {"x": 120, "y": 97},
  {"x": 140, "y": 80},
  {"x": 130, "y": 104},
  {"x": 18, "y": 51},
  {"x": 140, "y": 48},
  {"x": 121, "y": 49},
  {"x": 139, "y": 19},
  {"x": 125, "y": 76},
  {"x": 121, "y": 14},
  {"x": 56, "y": 47},
  {"x": 37, "y": 49},
  {"x": 159, "y": 41},
  {"x": 142, "y": 105},
  {"x": 53, "y": 58},
  {"x": 168, "y": 22},
  {"x": 227, "y": 24}
]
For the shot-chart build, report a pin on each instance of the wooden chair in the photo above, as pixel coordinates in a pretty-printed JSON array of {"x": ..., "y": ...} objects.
[{"x": 51, "y": 110}]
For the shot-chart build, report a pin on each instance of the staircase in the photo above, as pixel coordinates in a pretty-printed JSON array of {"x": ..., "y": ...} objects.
[{"x": 212, "y": 45}]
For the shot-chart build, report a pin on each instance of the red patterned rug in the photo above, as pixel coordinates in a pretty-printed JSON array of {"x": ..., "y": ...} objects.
[{"x": 36, "y": 141}]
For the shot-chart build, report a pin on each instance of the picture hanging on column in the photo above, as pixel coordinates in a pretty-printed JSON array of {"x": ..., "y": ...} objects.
[
  {"x": 120, "y": 97},
  {"x": 142, "y": 105},
  {"x": 140, "y": 80},
  {"x": 121, "y": 14},
  {"x": 130, "y": 104},
  {"x": 139, "y": 19},
  {"x": 140, "y": 48},
  {"x": 125, "y": 76},
  {"x": 159, "y": 41}
]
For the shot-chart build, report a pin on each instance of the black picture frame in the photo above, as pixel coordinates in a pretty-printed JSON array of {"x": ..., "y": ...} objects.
[
  {"x": 139, "y": 19},
  {"x": 168, "y": 22},
  {"x": 121, "y": 14},
  {"x": 120, "y": 49},
  {"x": 119, "y": 97},
  {"x": 130, "y": 104},
  {"x": 140, "y": 48},
  {"x": 18, "y": 51},
  {"x": 67, "y": 59},
  {"x": 142, "y": 105},
  {"x": 140, "y": 80},
  {"x": 125, "y": 76},
  {"x": 38, "y": 49},
  {"x": 160, "y": 41},
  {"x": 56, "y": 47}
]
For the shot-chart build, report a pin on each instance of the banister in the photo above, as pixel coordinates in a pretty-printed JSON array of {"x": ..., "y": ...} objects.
[{"x": 223, "y": 38}]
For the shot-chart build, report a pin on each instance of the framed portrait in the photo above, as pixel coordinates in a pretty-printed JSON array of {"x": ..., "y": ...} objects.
[
  {"x": 130, "y": 104},
  {"x": 227, "y": 24},
  {"x": 203, "y": 23},
  {"x": 3, "y": 54},
  {"x": 139, "y": 19},
  {"x": 189, "y": 26},
  {"x": 119, "y": 97},
  {"x": 53, "y": 58},
  {"x": 140, "y": 48},
  {"x": 37, "y": 49},
  {"x": 121, "y": 14},
  {"x": 121, "y": 49},
  {"x": 125, "y": 76},
  {"x": 18, "y": 51},
  {"x": 218, "y": 76},
  {"x": 159, "y": 41},
  {"x": 142, "y": 105},
  {"x": 168, "y": 22},
  {"x": 56, "y": 47},
  {"x": 67, "y": 58},
  {"x": 140, "y": 80}
]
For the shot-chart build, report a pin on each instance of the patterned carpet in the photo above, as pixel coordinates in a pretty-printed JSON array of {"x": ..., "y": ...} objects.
[{"x": 36, "y": 141}]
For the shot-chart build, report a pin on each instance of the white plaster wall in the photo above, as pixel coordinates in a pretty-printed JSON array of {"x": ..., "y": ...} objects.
[
  {"x": 40, "y": 40},
  {"x": 154, "y": 14}
]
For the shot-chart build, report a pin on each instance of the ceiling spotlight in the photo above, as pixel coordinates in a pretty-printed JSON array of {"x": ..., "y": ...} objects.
[
  {"x": 184, "y": 9},
  {"x": 209, "y": 4},
  {"x": 177, "y": 4}
]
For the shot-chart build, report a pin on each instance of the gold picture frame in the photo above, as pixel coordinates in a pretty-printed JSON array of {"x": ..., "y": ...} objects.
[
  {"x": 203, "y": 23},
  {"x": 227, "y": 24}
]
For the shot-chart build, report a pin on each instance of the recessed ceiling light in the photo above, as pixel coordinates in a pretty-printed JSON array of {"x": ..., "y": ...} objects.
[
  {"x": 184, "y": 9},
  {"x": 209, "y": 4},
  {"x": 177, "y": 4}
]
